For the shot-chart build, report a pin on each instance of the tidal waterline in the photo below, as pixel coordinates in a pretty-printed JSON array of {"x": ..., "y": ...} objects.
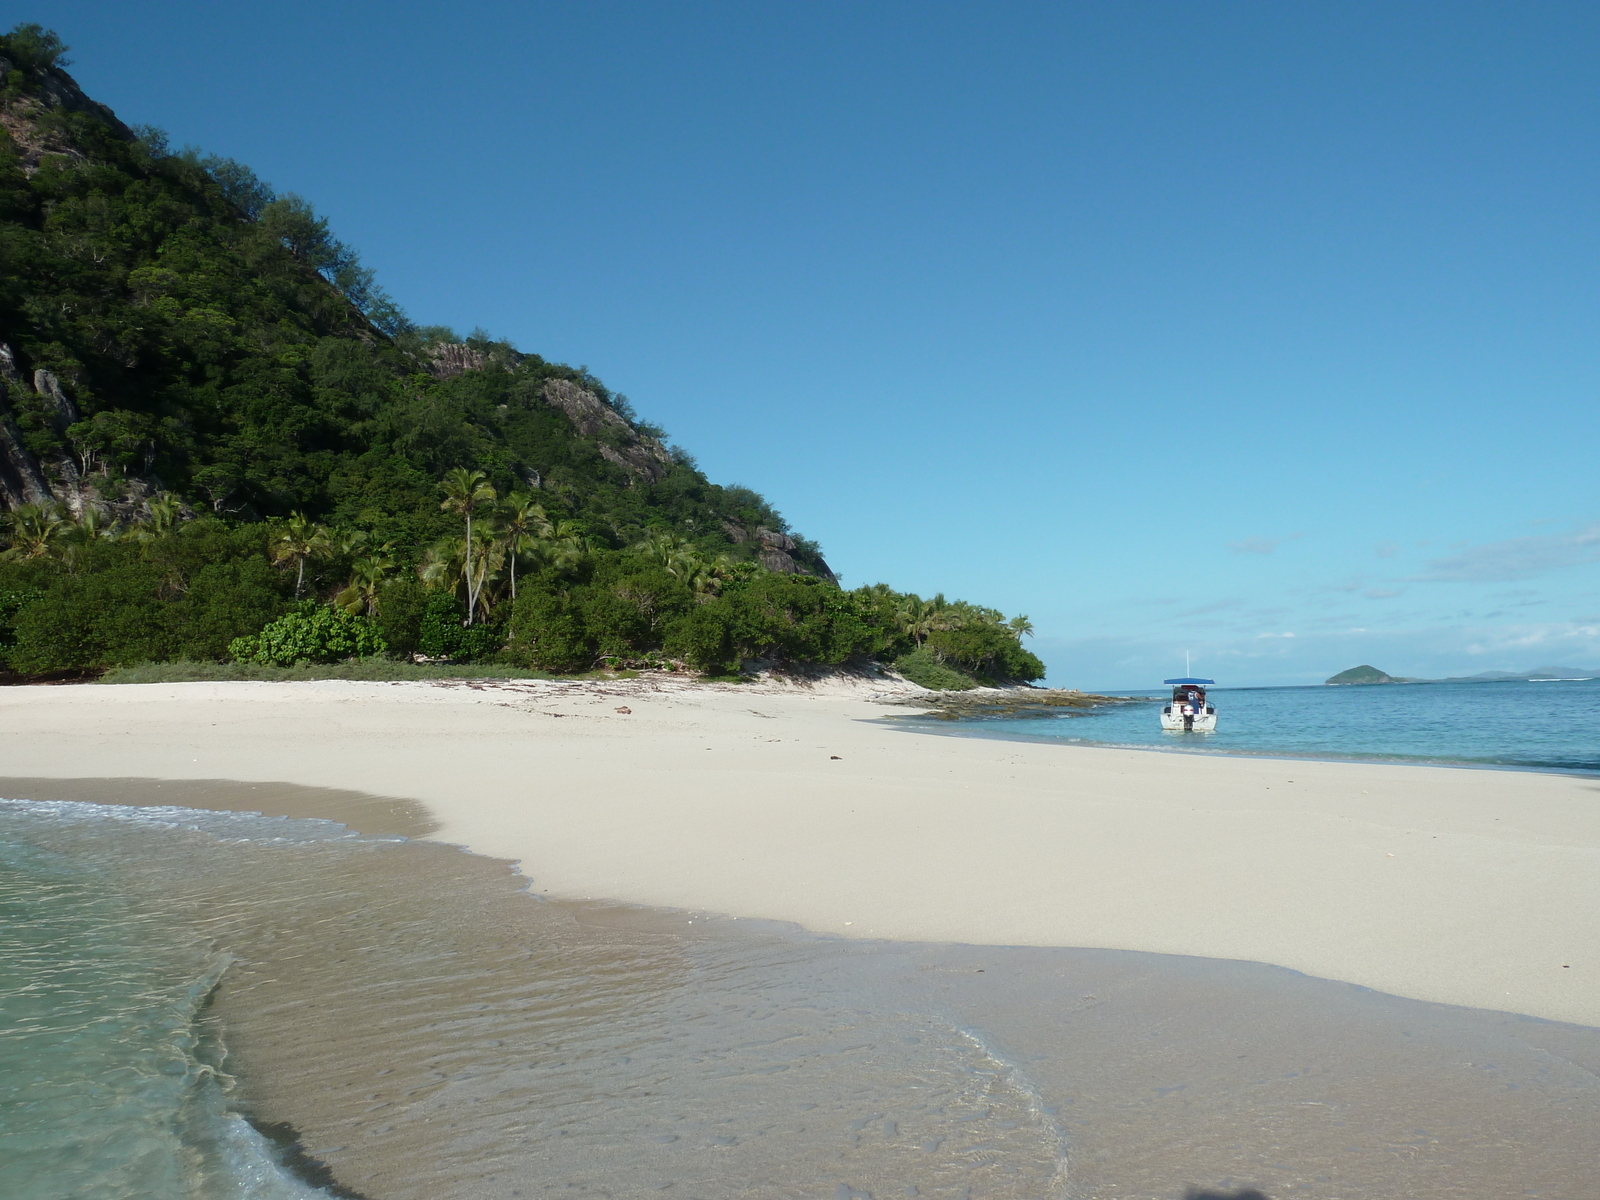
[{"x": 428, "y": 1029}]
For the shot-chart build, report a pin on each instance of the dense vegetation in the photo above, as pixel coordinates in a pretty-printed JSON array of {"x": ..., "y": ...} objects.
[{"x": 222, "y": 440}]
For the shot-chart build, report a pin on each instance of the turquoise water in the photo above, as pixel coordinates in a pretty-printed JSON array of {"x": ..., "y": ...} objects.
[
  {"x": 110, "y": 1084},
  {"x": 1551, "y": 726}
]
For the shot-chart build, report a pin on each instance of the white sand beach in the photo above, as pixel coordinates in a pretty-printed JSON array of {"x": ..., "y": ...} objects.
[{"x": 1468, "y": 887}]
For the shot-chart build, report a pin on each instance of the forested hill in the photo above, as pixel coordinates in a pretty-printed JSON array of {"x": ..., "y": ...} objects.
[{"x": 202, "y": 381}]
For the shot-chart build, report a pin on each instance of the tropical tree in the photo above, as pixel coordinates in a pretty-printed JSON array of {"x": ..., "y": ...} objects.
[
  {"x": 298, "y": 541},
  {"x": 91, "y": 526},
  {"x": 524, "y": 528},
  {"x": 367, "y": 574},
  {"x": 565, "y": 545},
  {"x": 32, "y": 530},
  {"x": 459, "y": 567},
  {"x": 917, "y": 618},
  {"x": 1021, "y": 626},
  {"x": 162, "y": 513},
  {"x": 464, "y": 492},
  {"x": 711, "y": 575}
]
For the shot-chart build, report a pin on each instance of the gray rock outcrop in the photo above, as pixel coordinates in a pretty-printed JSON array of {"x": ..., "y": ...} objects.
[
  {"x": 449, "y": 359},
  {"x": 24, "y": 477},
  {"x": 21, "y": 480},
  {"x": 617, "y": 441},
  {"x": 775, "y": 553}
]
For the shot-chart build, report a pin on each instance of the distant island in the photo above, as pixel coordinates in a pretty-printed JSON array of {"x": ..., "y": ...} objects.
[
  {"x": 1363, "y": 674},
  {"x": 1369, "y": 674},
  {"x": 1520, "y": 676}
]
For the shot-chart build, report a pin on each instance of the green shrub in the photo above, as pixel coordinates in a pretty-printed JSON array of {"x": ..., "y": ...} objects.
[
  {"x": 312, "y": 633},
  {"x": 12, "y": 601},
  {"x": 547, "y": 631},
  {"x": 921, "y": 667},
  {"x": 441, "y": 634},
  {"x": 402, "y": 607},
  {"x": 478, "y": 643},
  {"x": 703, "y": 638},
  {"x": 440, "y": 625},
  {"x": 114, "y": 617},
  {"x": 986, "y": 650}
]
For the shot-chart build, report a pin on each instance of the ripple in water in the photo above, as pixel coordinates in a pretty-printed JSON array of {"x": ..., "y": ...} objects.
[{"x": 427, "y": 1030}]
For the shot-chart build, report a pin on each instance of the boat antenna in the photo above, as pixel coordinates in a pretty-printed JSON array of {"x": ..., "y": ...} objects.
[{"x": 1187, "y": 669}]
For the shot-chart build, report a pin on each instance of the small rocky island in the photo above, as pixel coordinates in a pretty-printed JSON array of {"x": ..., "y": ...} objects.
[{"x": 1362, "y": 674}]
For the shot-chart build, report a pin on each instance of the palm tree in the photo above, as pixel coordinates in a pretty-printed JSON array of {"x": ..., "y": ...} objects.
[
  {"x": 444, "y": 565},
  {"x": 677, "y": 554},
  {"x": 523, "y": 526},
  {"x": 33, "y": 529},
  {"x": 711, "y": 575},
  {"x": 565, "y": 545},
  {"x": 916, "y": 618},
  {"x": 90, "y": 527},
  {"x": 367, "y": 574},
  {"x": 299, "y": 540},
  {"x": 464, "y": 491},
  {"x": 1021, "y": 626},
  {"x": 162, "y": 513}
]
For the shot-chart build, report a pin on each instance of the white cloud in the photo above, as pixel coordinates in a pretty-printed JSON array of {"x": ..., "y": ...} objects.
[
  {"x": 1262, "y": 545},
  {"x": 1515, "y": 558},
  {"x": 1254, "y": 546}
]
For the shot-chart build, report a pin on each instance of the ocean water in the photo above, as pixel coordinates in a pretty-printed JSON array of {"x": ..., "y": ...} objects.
[
  {"x": 110, "y": 1081},
  {"x": 213, "y": 1005},
  {"x": 1548, "y": 726}
]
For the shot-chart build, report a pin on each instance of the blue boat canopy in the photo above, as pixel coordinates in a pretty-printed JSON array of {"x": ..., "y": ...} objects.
[{"x": 1194, "y": 681}]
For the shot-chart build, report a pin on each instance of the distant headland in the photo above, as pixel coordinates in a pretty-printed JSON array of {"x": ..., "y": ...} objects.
[{"x": 1368, "y": 674}]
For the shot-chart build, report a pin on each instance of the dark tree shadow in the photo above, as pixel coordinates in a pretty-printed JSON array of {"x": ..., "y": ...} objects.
[{"x": 1208, "y": 1194}]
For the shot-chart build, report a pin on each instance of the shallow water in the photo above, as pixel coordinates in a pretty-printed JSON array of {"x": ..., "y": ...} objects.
[
  {"x": 1552, "y": 726},
  {"x": 409, "y": 1019}
]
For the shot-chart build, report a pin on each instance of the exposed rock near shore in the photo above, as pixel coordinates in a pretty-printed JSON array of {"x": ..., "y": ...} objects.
[{"x": 1007, "y": 702}]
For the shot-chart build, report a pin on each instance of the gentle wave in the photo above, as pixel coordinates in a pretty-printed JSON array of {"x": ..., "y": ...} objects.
[{"x": 110, "y": 1085}]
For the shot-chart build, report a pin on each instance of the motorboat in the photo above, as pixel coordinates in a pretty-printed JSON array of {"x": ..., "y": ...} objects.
[{"x": 1189, "y": 711}]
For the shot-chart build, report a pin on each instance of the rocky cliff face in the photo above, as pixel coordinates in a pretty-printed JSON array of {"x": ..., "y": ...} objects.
[
  {"x": 24, "y": 478},
  {"x": 450, "y": 359},
  {"x": 56, "y": 89},
  {"x": 618, "y": 442}
]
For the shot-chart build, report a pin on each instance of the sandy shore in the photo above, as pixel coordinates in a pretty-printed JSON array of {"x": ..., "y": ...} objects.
[{"x": 1478, "y": 888}]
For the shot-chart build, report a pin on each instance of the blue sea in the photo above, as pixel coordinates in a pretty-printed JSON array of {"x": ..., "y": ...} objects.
[{"x": 1542, "y": 726}]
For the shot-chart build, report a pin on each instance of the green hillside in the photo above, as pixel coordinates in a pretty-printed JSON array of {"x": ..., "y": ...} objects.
[
  {"x": 215, "y": 419},
  {"x": 1362, "y": 674}
]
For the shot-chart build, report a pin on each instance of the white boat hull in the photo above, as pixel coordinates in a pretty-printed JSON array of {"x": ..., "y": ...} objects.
[{"x": 1204, "y": 722}]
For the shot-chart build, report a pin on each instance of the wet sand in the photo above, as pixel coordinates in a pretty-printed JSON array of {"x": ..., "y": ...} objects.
[
  {"x": 1478, "y": 888},
  {"x": 424, "y": 1028}
]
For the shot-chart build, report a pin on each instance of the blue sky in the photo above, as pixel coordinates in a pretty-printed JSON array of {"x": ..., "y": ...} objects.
[{"x": 1263, "y": 331}]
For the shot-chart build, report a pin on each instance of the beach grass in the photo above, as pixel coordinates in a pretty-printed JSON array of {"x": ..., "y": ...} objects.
[{"x": 364, "y": 669}]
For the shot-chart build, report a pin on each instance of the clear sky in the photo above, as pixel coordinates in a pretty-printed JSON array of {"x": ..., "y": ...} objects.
[{"x": 1261, "y": 330}]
